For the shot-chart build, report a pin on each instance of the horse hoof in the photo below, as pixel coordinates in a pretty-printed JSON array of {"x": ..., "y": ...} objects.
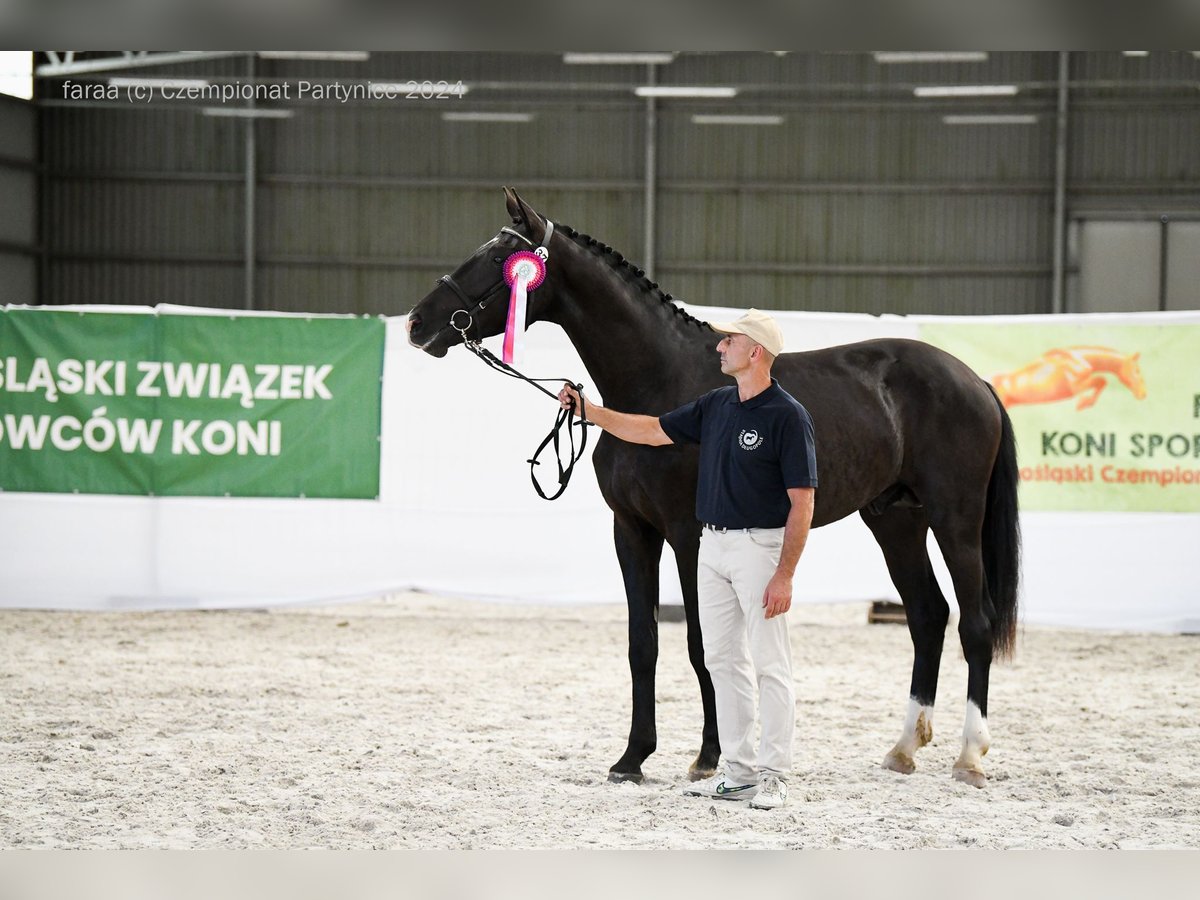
[
  {"x": 898, "y": 762},
  {"x": 973, "y": 777},
  {"x": 622, "y": 777},
  {"x": 697, "y": 772}
]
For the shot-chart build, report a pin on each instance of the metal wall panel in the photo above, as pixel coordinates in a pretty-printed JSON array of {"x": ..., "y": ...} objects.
[
  {"x": 864, "y": 293},
  {"x": 18, "y": 272},
  {"x": 152, "y": 141},
  {"x": 145, "y": 283},
  {"x": 18, "y": 201},
  {"x": 864, "y": 199},
  {"x": 18, "y": 129},
  {"x": 1183, "y": 265}
]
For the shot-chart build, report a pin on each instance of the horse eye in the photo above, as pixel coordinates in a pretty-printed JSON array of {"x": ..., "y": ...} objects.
[{"x": 497, "y": 259}]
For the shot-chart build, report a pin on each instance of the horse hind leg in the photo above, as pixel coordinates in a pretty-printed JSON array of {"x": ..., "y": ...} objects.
[
  {"x": 960, "y": 545},
  {"x": 900, "y": 533}
]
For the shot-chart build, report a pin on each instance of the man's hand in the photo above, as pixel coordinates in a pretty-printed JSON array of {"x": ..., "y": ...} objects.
[
  {"x": 777, "y": 598},
  {"x": 569, "y": 397}
]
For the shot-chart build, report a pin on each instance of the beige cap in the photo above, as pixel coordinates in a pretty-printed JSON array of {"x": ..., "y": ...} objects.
[{"x": 757, "y": 326}]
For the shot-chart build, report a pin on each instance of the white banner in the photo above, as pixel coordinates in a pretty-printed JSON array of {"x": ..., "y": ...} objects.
[{"x": 457, "y": 515}]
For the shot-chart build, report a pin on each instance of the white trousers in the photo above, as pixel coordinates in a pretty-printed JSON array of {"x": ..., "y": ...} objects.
[{"x": 746, "y": 654}]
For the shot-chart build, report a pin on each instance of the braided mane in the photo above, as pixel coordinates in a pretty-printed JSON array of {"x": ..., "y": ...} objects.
[{"x": 628, "y": 271}]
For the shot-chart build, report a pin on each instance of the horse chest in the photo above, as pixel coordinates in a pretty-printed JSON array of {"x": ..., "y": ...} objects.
[{"x": 655, "y": 482}]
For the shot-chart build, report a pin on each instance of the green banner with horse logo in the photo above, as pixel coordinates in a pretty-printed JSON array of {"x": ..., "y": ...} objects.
[
  {"x": 1107, "y": 415},
  {"x": 190, "y": 405}
]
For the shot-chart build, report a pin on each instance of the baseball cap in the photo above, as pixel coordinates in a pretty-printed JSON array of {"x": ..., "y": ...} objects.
[{"x": 757, "y": 326}]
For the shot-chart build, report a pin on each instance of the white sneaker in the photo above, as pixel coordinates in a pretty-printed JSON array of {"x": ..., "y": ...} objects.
[
  {"x": 771, "y": 794},
  {"x": 721, "y": 787}
]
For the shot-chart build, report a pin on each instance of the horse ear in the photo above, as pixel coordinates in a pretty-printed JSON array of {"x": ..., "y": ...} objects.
[{"x": 524, "y": 214}]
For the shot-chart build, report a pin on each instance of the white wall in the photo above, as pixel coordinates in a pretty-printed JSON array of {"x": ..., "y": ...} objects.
[{"x": 457, "y": 515}]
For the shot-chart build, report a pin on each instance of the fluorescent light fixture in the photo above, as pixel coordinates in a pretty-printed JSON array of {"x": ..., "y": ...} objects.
[
  {"x": 181, "y": 83},
  {"x": 486, "y": 117},
  {"x": 16, "y": 73},
  {"x": 966, "y": 90},
  {"x": 650, "y": 90},
  {"x": 737, "y": 120},
  {"x": 991, "y": 120},
  {"x": 1135, "y": 52},
  {"x": 242, "y": 112},
  {"x": 930, "y": 56},
  {"x": 618, "y": 59},
  {"x": 333, "y": 55}
]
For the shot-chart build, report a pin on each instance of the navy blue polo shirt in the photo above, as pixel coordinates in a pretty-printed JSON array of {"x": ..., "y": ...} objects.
[{"x": 750, "y": 454}]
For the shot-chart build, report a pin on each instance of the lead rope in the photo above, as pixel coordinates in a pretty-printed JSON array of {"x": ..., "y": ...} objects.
[{"x": 565, "y": 417}]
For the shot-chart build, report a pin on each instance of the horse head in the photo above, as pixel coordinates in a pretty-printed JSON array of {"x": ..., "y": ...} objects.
[
  {"x": 1130, "y": 374},
  {"x": 472, "y": 302}
]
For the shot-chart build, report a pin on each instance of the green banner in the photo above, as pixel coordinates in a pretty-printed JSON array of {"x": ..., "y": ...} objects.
[
  {"x": 190, "y": 405},
  {"x": 1107, "y": 416}
]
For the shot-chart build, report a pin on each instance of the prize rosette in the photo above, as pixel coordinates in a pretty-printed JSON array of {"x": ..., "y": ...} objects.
[{"x": 523, "y": 272}]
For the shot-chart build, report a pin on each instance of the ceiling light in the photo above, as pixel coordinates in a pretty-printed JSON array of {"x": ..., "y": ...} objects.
[
  {"x": 334, "y": 55},
  {"x": 737, "y": 120},
  {"x": 1135, "y": 52},
  {"x": 617, "y": 59},
  {"x": 168, "y": 83},
  {"x": 929, "y": 56},
  {"x": 991, "y": 120},
  {"x": 966, "y": 90},
  {"x": 243, "y": 112},
  {"x": 486, "y": 117},
  {"x": 649, "y": 90}
]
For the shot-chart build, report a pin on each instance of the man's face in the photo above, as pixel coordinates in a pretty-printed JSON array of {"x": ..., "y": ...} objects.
[{"x": 735, "y": 350}]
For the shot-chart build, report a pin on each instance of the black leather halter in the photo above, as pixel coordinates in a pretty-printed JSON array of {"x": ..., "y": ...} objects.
[
  {"x": 470, "y": 307},
  {"x": 570, "y": 418}
]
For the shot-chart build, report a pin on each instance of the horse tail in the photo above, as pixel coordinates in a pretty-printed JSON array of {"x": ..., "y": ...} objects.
[{"x": 1002, "y": 539}]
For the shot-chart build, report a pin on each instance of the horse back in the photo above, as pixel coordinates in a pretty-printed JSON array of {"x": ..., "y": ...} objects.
[{"x": 888, "y": 414}]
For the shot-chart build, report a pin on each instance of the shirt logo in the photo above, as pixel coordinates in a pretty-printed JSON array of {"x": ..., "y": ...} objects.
[{"x": 750, "y": 440}]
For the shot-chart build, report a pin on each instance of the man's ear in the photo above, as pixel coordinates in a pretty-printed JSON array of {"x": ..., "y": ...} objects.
[{"x": 524, "y": 214}]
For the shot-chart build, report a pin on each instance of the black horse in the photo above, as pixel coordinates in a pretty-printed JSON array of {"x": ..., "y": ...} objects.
[{"x": 906, "y": 435}]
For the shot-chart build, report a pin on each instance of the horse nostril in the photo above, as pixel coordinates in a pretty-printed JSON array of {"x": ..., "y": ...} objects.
[{"x": 413, "y": 323}]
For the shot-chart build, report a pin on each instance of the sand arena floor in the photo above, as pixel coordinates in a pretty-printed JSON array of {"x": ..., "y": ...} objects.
[{"x": 426, "y": 722}]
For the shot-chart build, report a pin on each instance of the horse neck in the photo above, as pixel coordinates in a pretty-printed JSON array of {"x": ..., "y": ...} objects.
[{"x": 631, "y": 342}]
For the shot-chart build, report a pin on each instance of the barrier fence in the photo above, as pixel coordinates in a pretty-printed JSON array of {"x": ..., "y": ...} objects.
[{"x": 175, "y": 457}]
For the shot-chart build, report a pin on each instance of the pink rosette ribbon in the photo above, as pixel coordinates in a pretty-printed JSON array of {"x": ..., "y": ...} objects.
[{"x": 523, "y": 272}]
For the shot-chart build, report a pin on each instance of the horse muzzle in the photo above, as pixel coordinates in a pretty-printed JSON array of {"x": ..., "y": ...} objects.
[{"x": 419, "y": 337}]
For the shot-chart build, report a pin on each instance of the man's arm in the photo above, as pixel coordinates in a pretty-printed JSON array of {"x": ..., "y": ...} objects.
[
  {"x": 627, "y": 426},
  {"x": 777, "y": 598}
]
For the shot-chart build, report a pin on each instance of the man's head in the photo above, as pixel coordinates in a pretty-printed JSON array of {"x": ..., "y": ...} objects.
[{"x": 750, "y": 340}]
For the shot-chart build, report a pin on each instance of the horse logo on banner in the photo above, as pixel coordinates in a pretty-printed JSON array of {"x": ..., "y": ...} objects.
[{"x": 1062, "y": 373}]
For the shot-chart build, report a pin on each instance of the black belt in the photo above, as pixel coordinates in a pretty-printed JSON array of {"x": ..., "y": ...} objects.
[{"x": 722, "y": 529}]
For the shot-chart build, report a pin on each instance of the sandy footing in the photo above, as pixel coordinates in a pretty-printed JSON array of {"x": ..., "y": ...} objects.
[{"x": 416, "y": 721}]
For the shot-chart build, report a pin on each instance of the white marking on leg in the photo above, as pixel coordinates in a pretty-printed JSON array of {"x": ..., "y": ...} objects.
[
  {"x": 976, "y": 740},
  {"x": 917, "y": 732}
]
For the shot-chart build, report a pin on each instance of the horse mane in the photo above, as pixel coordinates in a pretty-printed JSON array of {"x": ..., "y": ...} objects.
[{"x": 628, "y": 272}]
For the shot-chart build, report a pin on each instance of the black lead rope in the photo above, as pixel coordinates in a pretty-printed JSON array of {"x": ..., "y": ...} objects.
[{"x": 565, "y": 417}]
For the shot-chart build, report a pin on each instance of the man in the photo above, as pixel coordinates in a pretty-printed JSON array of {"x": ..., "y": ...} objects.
[{"x": 758, "y": 478}]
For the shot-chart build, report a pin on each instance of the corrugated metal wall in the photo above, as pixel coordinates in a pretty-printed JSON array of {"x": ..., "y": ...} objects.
[
  {"x": 18, "y": 200},
  {"x": 862, "y": 200}
]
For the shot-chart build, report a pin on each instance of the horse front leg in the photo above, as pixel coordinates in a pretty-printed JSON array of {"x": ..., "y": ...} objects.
[
  {"x": 1095, "y": 384},
  {"x": 685, "y": 541},
  {"x": 639, "y": 548}
]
